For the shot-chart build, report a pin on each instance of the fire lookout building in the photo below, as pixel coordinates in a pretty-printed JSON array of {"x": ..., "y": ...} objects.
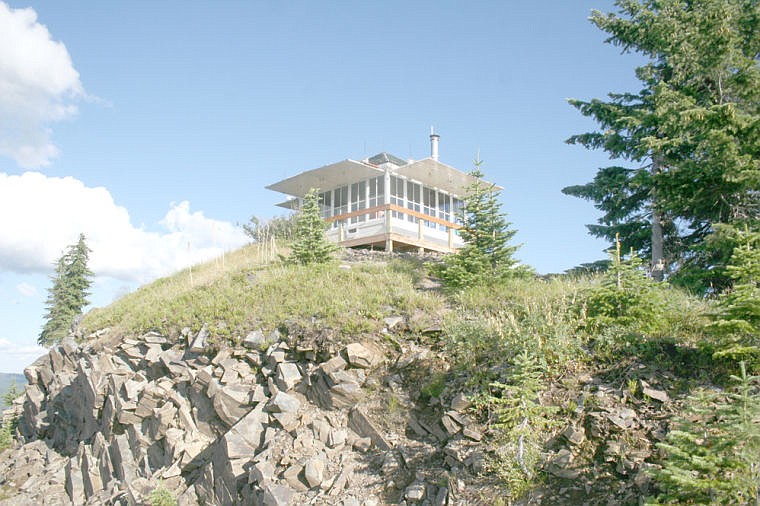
[{"x": 384, "y": 202}]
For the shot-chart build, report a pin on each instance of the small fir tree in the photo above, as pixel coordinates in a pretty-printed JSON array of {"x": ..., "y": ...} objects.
[
  {"x": 9, "y": 424},
  {"x": 712, "y": 454},
  {"x": 486, "y": 253},
  {"x": 11, "y": 394},
  {"x": 68, "y": 295},
  {"x": 523, "y": 422},
  {"x": 624, "y": 297},
  {"x": 738, "y": 316},
  {"x": 311, "y": 245}
]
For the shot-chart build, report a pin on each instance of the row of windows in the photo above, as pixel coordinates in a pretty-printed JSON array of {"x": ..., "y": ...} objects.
[{"x": 403, "y": 193}]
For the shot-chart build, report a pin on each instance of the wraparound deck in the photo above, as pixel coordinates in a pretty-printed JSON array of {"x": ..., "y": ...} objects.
[{"x": 394, "y": 228}]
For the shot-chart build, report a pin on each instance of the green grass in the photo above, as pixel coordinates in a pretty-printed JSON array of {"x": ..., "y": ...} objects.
[
  {"x": 495, "y": 322},
  {"x": 244, "y": 295}
]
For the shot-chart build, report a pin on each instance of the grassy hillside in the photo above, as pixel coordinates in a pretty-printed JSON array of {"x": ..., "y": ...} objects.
[
  {"x": 578, "y": 380},
  {"x": 247, "y": 292}
]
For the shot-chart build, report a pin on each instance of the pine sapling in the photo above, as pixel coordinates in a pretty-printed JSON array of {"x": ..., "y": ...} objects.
[{"x": 310, "y": 246}]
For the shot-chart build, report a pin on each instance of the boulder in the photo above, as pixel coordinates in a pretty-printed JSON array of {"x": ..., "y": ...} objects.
[
  {"x": 314, "y": 471},
  {"x": 277, "y": 495},
  {"x": 154, "y": 338},
  {"x": 392, "y": 321},
  {"x": 360, "y": 356},
  {"x": 623, "y": 418},
  {"x": 292, "y": 477},
  {"x": 74, "y": 482},
  {"x": 415, "y": 491},
  {"x": 460, "y": 402},
  {"x": 125, "y": 467},
  {"x": 288, "y": 376},
  {"x": 658, "y": 395},
  {"x": 261, "y": 472},
  {"x": 359, "y": 423},
  {"x": 254, "y": 340},
  {"x": 283, "y": 403},
  {"x": 231, "y": 402},
  {"x": 559, "y": 465},
  {"x": 574, "y": 435},
  {"x": 472, "y": 434},
  {"x": 450, "y": 425},
  {"x": 336, "y": 363}
]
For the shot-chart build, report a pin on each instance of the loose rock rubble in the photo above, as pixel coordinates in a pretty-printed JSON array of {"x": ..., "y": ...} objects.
[
  {"x": 603, "y": 455},
  {"x": 275, "y": 421}
]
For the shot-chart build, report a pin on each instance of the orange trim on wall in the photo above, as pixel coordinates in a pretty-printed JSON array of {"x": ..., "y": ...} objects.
[{"x": 394, "y": 207}]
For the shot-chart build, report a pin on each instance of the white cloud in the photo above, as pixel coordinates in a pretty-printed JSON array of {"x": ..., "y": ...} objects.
[
  {"x": 38, "y": 86},
  {"x": 40, "y": 216},
  {"x": 26, "y": 289},
  {"x": 14, "y": 354}
]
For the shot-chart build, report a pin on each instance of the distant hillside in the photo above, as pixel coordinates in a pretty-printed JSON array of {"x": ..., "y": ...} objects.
[{"x": 6, "y": 380}]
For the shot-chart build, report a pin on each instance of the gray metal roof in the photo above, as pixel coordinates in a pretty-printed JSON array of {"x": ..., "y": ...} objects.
[
  {"x": 429, "y": 172},
  {"x": 326, "y": 178},
  {"x": 384, "y": 157},
  {"x": 435, "y": 174}
]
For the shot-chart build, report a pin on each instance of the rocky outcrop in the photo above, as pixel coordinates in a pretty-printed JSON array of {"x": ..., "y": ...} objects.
[{"x": 278, "y": 420}]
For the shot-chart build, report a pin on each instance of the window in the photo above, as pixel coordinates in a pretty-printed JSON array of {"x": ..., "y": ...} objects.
[
  {"x": 325, "y": 204},
  {"x": 457, "y": 206},
  {"x": 444, "y": 208},
  {"x": 413, "y": 199},
  {"x": 428, "y": 204},
  {"x": 397, "y": 195},
  {"x": 376, "y": 194},
  {"x": 341, "y": 202},
  {"x": 359, "y": 200}
]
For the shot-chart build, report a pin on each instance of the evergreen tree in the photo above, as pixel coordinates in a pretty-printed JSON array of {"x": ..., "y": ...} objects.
[
  {"x": 68, "y": 295},
  {"x": 524, "y": 422},
  {"x": 714, "y": 451},
  {"x": 738, "y": 316},
  {"x": 692, "y": 129},
  {"x": 486, "y": 253},
  {"x": 11, "y": 394},
  {"x": 624, "y": 296},
  {"x": 310, "y": 246}
]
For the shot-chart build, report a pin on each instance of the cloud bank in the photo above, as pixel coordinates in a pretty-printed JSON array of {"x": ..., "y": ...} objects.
[
  {"x": 38, "y": 86},
  {"x": 13, "y": 353},
  {"x": 41, "y": 215}
]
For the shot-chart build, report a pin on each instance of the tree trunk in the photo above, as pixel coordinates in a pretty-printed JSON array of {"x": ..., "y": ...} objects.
[{"x": 658, "y": 256}]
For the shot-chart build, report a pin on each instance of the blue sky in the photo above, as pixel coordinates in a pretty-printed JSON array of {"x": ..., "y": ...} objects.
[{"x": 153, "y": 127}]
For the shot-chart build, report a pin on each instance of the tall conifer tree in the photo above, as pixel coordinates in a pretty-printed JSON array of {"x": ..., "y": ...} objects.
[
  {"x": 68, "y": 295},
  {"x": 692, "y": 130}
]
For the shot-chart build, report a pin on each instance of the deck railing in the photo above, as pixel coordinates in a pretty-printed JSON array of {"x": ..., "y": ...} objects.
[{"x": 400, "y": 229}]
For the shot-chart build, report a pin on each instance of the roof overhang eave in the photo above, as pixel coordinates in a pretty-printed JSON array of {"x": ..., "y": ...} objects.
[
  {"x": 326, "y": 178},
  {"x": 439, "y": 175},
  {"x": 290, "y": 204}
]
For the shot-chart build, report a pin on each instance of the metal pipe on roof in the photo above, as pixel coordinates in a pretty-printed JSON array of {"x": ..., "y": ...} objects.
[{"x": 434, "y": 144}]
